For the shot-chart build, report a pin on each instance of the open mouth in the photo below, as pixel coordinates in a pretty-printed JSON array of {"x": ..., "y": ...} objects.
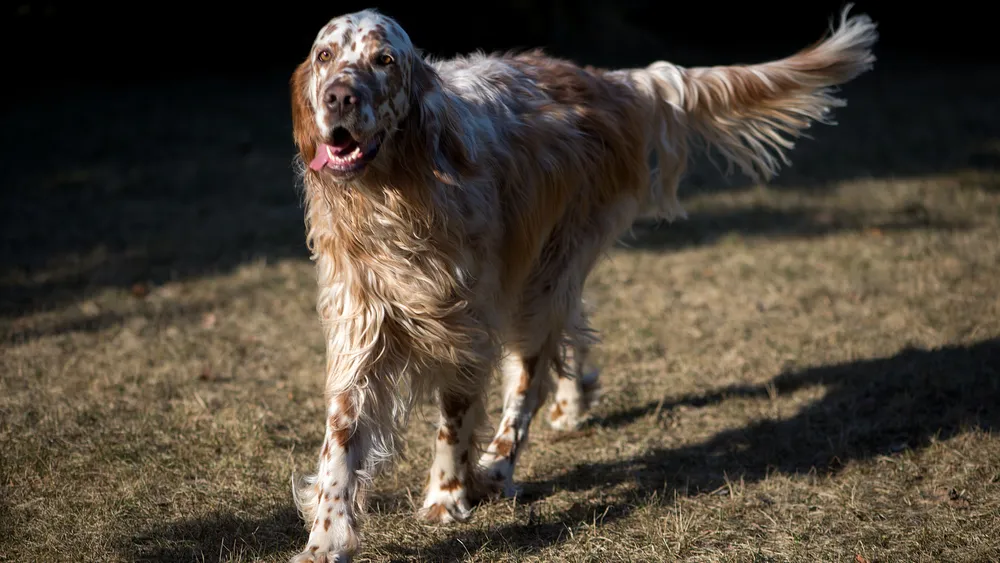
[{"x": 344, "y": 153}]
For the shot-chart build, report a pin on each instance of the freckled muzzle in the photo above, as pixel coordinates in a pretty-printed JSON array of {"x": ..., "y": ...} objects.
[{"x": 341, "y": 100}]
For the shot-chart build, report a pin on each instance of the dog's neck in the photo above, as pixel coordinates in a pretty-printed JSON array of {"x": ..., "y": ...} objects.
[
  {"x": 389, "y": 192},
  {"x": 368, "y": 212},
  {"x": 392, "y": 211}
]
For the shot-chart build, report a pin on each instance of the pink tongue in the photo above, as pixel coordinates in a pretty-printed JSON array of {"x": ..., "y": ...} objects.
[{"x": 322, "y": 157}]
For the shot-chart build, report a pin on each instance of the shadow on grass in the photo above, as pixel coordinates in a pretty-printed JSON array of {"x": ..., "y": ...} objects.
[
  {"x": 84, "y": 323},
  {"x": 872, "y": 407},
  {"x": 144, "y": 184},
  {"x": 702, "y": 229},
  {"x": 218, "y": 537}
]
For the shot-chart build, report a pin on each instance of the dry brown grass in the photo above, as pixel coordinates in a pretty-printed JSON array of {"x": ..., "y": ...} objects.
[{"x": 805, "y": 372}]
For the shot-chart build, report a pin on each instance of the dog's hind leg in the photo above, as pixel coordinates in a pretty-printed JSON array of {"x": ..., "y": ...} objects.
[
  {"x": 526, "y": 386},
  {"x": 454, "y": 481},
  {"x": 577, "y": 386}
]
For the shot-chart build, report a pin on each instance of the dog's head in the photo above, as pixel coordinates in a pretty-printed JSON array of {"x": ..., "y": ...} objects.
[{"x": 353, "y": 93}]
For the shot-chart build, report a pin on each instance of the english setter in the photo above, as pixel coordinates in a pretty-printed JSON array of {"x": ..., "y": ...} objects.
[{"x": 454, "y": 210}]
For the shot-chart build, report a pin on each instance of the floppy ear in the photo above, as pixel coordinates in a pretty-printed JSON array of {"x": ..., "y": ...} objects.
[
  {"x": 440, "y": 128},
  {"x": 304, "y": 128}
]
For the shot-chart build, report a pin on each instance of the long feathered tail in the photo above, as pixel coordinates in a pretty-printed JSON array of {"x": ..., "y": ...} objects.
[{"x": 752, "y": 113}]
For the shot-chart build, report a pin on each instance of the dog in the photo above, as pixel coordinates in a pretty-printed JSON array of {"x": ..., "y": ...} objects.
[{"x": 454, "y": 209}]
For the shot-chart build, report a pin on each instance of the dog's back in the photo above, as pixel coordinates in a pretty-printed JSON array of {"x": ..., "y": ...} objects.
[{"x": 568, "y": 149}]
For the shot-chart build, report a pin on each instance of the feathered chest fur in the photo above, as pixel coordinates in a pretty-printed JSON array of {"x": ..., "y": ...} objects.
[{"x": 397, "y": 273}]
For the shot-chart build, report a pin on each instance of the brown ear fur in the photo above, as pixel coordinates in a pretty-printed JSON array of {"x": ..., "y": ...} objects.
[
  {"x": 304, "y": 128},
  {"x": 440, "y": 131}
]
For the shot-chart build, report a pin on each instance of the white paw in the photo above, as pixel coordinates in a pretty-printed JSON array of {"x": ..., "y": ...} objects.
[
  {"x": 334, "y": 543},
  {"x": 320, "y": 557},
  {"x": 563, "y": 419},
  {"x": 445, "y": 507},
  {"x": 568, "y": 413},
  {"x": 499, "y": 476}
]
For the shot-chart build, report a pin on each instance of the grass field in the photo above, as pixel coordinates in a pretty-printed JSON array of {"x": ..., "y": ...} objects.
[{"x": 808, "y": 371}]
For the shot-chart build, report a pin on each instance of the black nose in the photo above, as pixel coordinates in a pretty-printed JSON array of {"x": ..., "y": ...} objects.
[{"x": 340, "y": 98}]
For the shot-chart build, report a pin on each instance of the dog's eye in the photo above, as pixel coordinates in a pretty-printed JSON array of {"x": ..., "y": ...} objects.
[
  {"x": 324, "y": 55},
  {"x": 385, "y": 60}
]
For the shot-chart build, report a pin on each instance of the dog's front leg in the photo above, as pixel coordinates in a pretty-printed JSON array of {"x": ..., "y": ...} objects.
[{"x": 328, "y": 501}]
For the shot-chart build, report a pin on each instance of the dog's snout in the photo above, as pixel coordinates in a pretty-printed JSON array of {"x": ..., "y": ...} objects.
[{"x": 340, "y": 98}]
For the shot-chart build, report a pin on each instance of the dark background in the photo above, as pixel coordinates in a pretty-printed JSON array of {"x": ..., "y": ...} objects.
[{"x": 60, "y": 44}]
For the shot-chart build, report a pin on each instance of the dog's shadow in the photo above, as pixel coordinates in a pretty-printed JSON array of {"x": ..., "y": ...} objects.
[
  {"x": 872, "y": 407},
  {"x": 219, "y": 536}
]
